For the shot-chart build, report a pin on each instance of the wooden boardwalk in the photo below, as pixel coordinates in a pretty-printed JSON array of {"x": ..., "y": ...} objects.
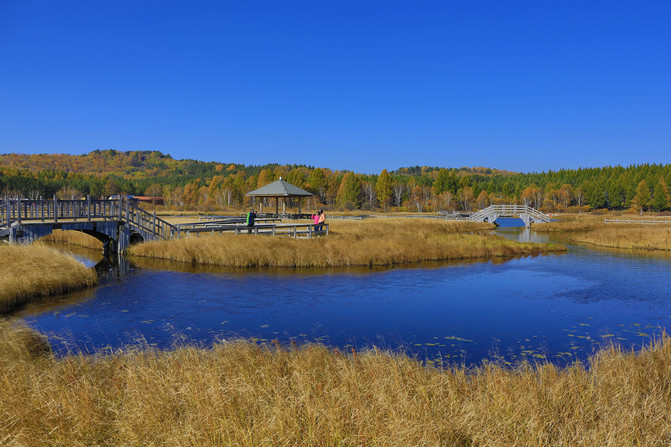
[{"x": 119, "y": 222}]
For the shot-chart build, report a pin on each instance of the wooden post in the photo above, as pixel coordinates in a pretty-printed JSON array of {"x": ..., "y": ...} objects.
[
  {"x": 277, "y": 205},
  {"x": 19, "y": 210},
  {"x": 88, "y": 206},
  {"x": 55, "y": 209},
  {"x": 310, "y": 231}
]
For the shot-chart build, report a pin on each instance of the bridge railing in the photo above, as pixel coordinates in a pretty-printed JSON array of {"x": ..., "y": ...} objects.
[
  {"x": 512, "y": 210},
  {"x": 19, "y": 210},
  {"x": 122, "y": 209},
  {"x": 143, "y": 220}
]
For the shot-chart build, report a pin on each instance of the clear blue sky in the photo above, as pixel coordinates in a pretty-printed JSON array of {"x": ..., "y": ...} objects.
[{"x": 357, "y": 85}]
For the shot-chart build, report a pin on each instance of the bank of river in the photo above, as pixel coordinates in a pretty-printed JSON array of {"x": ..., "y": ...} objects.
[{"x": 560, "y": 307}]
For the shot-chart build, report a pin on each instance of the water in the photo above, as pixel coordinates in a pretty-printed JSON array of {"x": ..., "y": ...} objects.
[{"x": 557, "y": 307}]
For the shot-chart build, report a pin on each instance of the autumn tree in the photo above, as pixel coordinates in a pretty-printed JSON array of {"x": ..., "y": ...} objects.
[
  {"x": 660, "y": 197},
  {"x": 483, "y": 200},
  {"x": 349, "y": 193},
  {"x": 398, "y": 190},
  {"x": 642, "y": 198},
  {"x": 383, "y": 188},
  {"x": 318, "y": 182},
  {"x": 370, "y": 193},
  {"x": 465, "y": 196},
  {"x": 417, "y": 197}
]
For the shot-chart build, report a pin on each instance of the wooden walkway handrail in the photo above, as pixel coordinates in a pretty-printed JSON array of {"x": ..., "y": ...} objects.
[
  {"x": 638, "y": 221},
  {"x": 294, "y": 230},
  {"x": 126, "y": 212}
]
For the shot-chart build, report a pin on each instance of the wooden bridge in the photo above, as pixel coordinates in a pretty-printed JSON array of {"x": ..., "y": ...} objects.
[
  {"x": 524, "y": 212},
  {"x": 117, "y": 223}
]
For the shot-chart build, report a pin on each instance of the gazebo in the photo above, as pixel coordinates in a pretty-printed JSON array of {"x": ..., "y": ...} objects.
[{"x": 278, "y": 189}]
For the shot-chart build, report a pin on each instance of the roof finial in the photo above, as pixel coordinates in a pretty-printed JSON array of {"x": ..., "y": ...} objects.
[{"x": 280, "y": 178}]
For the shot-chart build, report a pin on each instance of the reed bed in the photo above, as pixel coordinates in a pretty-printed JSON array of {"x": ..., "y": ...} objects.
[
  {"x": 568, "y": 226},
  {"x": 72, "y": 238},
  {"x": 242, "y": 394},
  {"x": 34, "y": 271},
  {"x": 349, "y": 243},
  {"x": 641, "y": 237}
]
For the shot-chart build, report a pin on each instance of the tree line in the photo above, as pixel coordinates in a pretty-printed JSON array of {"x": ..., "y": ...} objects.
[{"x": 192, "y": 184}]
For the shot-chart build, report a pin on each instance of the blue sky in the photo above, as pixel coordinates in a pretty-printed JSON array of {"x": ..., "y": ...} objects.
[{"x": 357, "y": 85}]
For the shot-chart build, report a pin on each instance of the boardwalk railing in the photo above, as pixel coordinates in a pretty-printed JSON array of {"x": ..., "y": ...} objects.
[
  {"x": 33, "y": 211},
  {"x": 125, "y": 211},
  {"x": 293, "y": 230},
  {"x": 638, "y": 221}
]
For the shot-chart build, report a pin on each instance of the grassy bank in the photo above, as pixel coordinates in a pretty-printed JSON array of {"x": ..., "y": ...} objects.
[
  {"x": 642, "y": 237},
  {"x": 240, "y": 394},
  {"x": 34, "y": 271},
  {"x": 569, "y": 226},
  {"x": 350, "y": 243}
]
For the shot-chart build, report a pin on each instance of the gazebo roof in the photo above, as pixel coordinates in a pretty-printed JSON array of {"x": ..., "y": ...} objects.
[{"x": 279, "y": 188}]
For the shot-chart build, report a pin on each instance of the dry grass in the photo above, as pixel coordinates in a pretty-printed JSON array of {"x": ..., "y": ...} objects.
[
  {"x": 241, "y": 394},
  {"x": 569, "y": 226},
  {"x": 30, "y": 272},
  {"x": 350, "y": 243},
  {"x": 72, "y": 238},
  {"x": 643, "y": 237}
]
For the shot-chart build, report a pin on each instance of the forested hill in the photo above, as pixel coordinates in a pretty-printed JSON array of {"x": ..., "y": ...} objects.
[{"x": 216, "y": 185}]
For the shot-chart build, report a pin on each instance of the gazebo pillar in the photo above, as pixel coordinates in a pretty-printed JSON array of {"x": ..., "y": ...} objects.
[{"x": 277, "y": 205}]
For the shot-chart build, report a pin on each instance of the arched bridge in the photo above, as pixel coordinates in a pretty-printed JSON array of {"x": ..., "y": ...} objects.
[
  {"x": 524, "y": 212},
  {"x": 115, "y": 222}
]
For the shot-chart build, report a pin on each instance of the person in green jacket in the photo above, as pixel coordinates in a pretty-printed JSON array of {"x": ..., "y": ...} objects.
[{"x": 251, "y": 215}]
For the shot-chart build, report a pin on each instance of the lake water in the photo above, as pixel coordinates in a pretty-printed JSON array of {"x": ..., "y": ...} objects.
[{"x": 557, "y": 307}]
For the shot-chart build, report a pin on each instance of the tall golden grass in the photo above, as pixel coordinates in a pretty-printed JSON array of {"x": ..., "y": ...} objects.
[
  {"x": 568, "y": 226},
  {"x": 642, "y": 237},
  {"x": 349, "y": 243},
  {"x": 242, "y": 394},
  {"x": 30, "y": 272}
]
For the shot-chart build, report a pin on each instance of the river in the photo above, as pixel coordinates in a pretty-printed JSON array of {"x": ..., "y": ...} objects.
[{"x": 558, "y": 307}]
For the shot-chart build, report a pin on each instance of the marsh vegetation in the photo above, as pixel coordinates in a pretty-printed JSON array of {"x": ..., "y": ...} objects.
[
  {"x": 349, "y": 243},
  {"x": 34, "y": 271},
  {"x": 242, "y": 393}
]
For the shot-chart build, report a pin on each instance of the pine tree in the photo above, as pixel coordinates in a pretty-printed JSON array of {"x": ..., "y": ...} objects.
[
  {"x": 642, "y": 198},
  {"x": 660, "y": 198}
]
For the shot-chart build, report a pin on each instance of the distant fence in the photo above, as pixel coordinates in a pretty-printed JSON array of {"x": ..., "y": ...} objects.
[{"x": 638, "y": 221}]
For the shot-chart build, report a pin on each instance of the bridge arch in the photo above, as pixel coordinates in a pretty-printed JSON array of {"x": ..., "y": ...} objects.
[{"x": 527, "y": 214}]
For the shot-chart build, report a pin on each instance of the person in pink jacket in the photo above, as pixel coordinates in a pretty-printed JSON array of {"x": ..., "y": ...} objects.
[{"x": 315, "y": 219}]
